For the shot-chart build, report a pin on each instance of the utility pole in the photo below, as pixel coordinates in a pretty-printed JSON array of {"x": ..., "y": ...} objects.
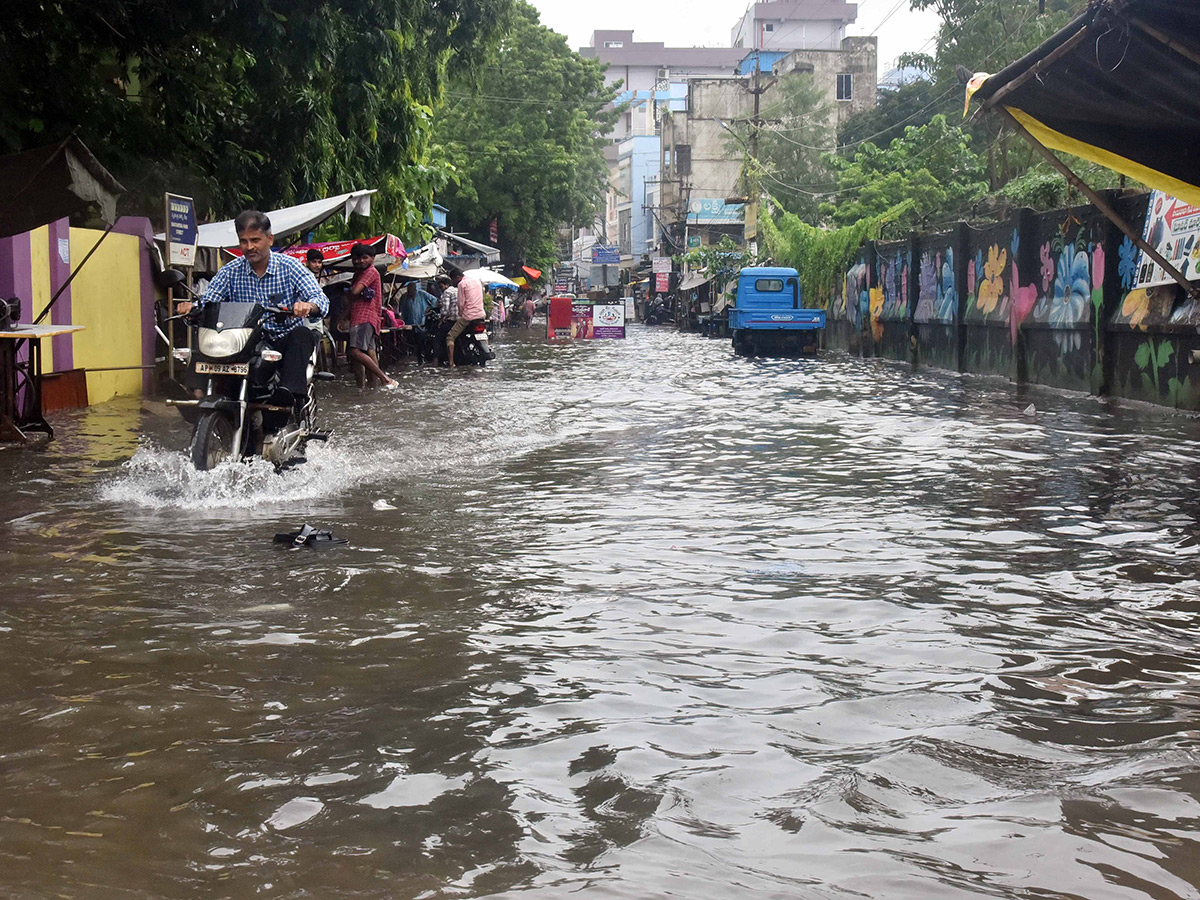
[{"x": 756, "y": 124}]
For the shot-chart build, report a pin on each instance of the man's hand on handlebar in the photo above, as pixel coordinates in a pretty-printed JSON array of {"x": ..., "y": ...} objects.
[
  {"x": 303, "y": 309},
  {"x": 183, "y": 307}
]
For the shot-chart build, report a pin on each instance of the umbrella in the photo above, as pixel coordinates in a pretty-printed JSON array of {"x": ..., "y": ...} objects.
[
  {"x": 490, "y": 278},
  {"x": 534, "y": 274}
]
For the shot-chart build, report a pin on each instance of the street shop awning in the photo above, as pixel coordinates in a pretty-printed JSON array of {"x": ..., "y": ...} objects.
[
  {"x": 694, "y": 280},
  {"x": 388, "y": 246},
  {"x": 50, "y": 183},
  {"x": 490, "y": 254},
  {"x": 288, "y": 220},
  {"x": 534, "y": 274},
  {"x": 1119, "y": 86}
]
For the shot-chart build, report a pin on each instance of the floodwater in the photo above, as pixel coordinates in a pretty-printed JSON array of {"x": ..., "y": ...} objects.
[{"x": 616, "y": 620}]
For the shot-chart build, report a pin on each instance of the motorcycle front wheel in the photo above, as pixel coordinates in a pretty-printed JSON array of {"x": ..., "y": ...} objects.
[{"x": 212, "y": 442}]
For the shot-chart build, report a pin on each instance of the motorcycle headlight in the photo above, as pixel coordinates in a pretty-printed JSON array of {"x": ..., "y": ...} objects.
[{"x": 215, "y": 344}]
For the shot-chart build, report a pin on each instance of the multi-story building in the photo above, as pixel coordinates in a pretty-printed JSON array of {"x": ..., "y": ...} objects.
[
  {"x": 678, "y": 103},
  {"x": 787, "y": 25}
]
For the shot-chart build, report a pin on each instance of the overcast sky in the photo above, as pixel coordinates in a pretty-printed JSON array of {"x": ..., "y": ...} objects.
[{"x": 707, "y": 23}]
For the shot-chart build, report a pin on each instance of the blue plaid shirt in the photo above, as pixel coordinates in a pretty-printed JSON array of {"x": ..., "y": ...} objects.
[{"x": 286, "y": 281}]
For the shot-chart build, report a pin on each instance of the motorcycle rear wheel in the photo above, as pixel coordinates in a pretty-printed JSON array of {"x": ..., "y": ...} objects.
[{"x": 212, "y": 442}]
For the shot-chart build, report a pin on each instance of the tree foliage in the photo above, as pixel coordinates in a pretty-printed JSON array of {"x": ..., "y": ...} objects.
[
  {"x": 794, "y": 148},
  {"x": 245, "y": 102},
  {"x": 720, "y": 261},
  {"x": 524, "y": 139},
  {"x": 821, "y": 255},
  {"x": 914, "y": 103},
  {"x": 932, "y": 166}
]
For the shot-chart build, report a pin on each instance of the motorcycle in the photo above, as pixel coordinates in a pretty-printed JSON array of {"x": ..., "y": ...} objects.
[
  {"x": 659, "y": 315},
  {"x": 471, "y": 348},
  {"x": 236, "y": 417}
]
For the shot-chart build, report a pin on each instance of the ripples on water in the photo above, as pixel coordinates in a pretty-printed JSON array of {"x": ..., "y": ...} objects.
[{"x": 622, "y": 620}]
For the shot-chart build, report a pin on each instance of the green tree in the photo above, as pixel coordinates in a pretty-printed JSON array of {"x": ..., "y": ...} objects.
[
  {"x": 895, "y": 109},
  {"x": 263, "y": 102},
  {"x": 792, "y": 148},
  {"x": 523, "y": 135},
  {"x": 985, "y": 36},
  {"x": 932, "y": 166}
]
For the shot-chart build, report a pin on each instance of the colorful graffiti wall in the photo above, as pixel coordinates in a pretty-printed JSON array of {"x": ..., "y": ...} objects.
[{"x": 1043, "y": 298}]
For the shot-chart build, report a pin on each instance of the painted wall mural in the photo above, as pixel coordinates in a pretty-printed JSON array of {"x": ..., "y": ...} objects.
[{"x": 938, "y": 299}]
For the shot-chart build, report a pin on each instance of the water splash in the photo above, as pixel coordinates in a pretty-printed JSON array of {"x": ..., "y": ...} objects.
[{"x": 159, "y": 478}]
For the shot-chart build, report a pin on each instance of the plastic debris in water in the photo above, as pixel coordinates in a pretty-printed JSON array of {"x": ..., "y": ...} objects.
[
  {"x": 382, "y": 504},
  {"x": 1030, "y": 410},
  {"x": 308, "y": 536}
]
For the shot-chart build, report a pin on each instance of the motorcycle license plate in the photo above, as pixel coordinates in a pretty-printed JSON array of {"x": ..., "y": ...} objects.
[{"x": 203, "y": 368}]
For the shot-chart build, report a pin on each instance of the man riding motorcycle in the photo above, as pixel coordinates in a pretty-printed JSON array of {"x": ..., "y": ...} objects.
[{"x": 262, "y": 276}]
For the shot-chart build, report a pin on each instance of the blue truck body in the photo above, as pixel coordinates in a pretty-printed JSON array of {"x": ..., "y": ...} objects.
[{"x": 769, "y": 316}]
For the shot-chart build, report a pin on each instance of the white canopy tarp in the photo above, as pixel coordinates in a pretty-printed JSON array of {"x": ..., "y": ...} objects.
[
  {"x": 490, "y": 277},
  {"x": 422, "y": 262},
  {"x": 289, "y": 220}
]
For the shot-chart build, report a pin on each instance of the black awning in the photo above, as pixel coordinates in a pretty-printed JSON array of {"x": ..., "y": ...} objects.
[
  {"x": 1119, "y": 86},
  {"x": 49, "y": 183}
]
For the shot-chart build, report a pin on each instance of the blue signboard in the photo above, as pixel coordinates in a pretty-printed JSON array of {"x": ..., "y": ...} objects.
[
  {"x": 713, "y": 211},
  {"x": 182, "y": 233},
  {"x": 606, "y": 254}
]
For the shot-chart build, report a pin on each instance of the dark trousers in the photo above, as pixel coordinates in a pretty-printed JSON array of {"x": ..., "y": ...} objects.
[{"x": 297, "y": 347}]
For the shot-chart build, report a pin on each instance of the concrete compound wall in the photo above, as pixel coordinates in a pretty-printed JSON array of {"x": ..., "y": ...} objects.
[{"x": 1042, "y": 298}]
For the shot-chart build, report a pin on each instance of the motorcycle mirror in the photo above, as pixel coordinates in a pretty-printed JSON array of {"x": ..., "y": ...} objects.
[{"x": 169, "y": 278}]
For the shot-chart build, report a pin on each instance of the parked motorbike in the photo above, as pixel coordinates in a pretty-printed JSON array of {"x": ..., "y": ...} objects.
[
  {"x": 658, "y": 314},
  {"x": 471, "y": 348},
  {"x": 236, "y": 417}
]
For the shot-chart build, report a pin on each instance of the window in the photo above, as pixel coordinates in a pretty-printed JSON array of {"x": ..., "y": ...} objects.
[
  {"x": 769, "y": 285},
  {"x": 845, "y": 87},
  {"x": 769, "y": 27},
  {"x": 613, "y": 45}
]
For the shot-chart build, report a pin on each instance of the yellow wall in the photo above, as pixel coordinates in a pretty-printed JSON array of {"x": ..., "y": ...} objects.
[{"x": 106, "y": 298}]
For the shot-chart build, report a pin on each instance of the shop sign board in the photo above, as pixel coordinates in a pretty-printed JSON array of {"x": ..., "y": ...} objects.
[
  {"x": 662, "y": 282},
  {"x": 182, "y": 233},
  {"x": 661, "y": 264},
  {"x": 606, "y": 255},
  {"x": 1173, "y": 229}
]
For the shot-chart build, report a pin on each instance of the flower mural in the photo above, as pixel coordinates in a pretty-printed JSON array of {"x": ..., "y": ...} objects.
[
  {"x": 877, "y": 300},
  {"x": 1047, "y": 268},
  {"x": 1025, "y": 297},
  {"x": 1098, "y": 267},
  {"x": 1072, "y": 293},
  {"x": 1127, "y": 266},
  {"x": 991, "y": 289},
  {"x": 1135, "y": 308}
]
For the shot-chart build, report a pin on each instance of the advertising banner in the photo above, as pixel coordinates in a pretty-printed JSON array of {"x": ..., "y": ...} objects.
[
  {"x": 581, "y": 319},
  {"x": 1173, "y": 229},
  {"x": 713, "y": 211},
  {"x": 661, "y": 264},
  {"x": 182, "y": 233},
  {"x": 608, "y": 320},
  {"x": 606, "y": 255},
  {"x": 662, "y": 282}
]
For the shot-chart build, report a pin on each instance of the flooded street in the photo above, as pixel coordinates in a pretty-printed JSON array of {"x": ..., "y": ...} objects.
[{"x": 615, "y": 620}]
